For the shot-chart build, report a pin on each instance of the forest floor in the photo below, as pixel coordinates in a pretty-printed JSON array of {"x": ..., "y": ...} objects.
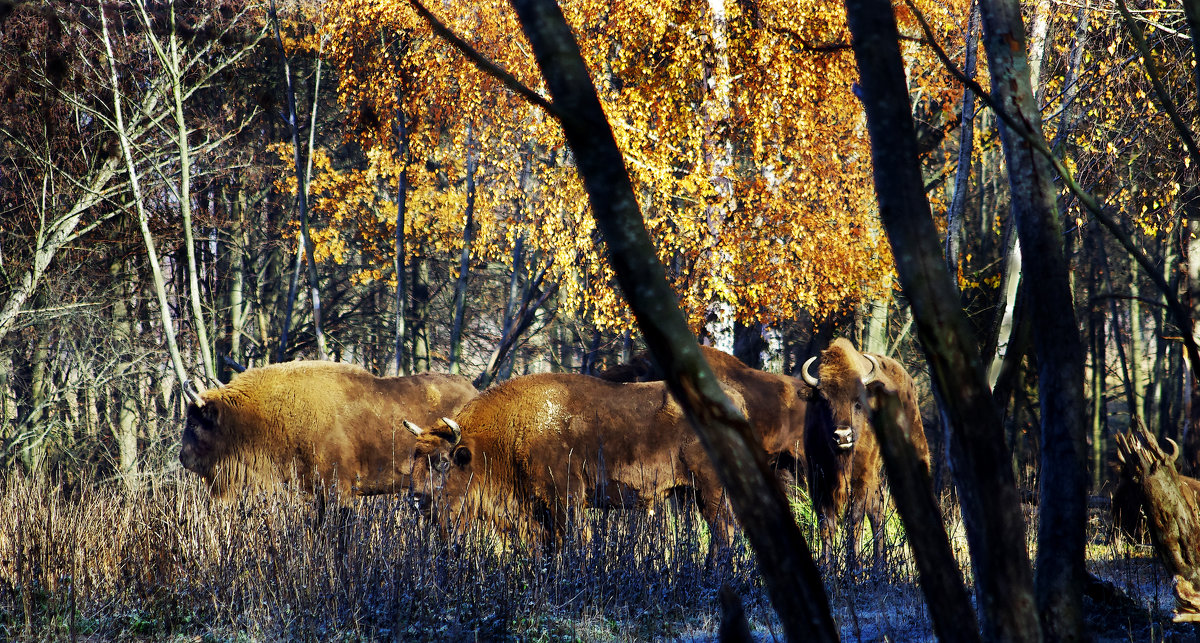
[{"x": 95, "y": 562}]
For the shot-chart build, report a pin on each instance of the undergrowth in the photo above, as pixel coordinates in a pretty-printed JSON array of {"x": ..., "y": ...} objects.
[{"x": 96, "y": 561}]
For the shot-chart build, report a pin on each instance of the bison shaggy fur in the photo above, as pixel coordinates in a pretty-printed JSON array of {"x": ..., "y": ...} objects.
[
  {"x": 529, "y": 453},
  {"x": 310, "y": 422}
]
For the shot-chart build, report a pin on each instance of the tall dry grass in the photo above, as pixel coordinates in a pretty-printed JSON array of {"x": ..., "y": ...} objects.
[
  {"x": 94, "y": 561},
  {"x": 167, "y": 561}
]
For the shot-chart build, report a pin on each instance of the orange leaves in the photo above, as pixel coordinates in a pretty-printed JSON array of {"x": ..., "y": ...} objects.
[{"x": 745, "y": 144}]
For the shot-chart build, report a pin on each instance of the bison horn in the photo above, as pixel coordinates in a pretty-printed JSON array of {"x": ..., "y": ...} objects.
[
  {"x": 872, "y": 374},
  {"x": 808, "y": 378},
  {"x": 454, "y": 429},
  {"x": 412, "y": 428},
  {"x": 1174, "y": 454},
  {"x": 193, "y": 390}
]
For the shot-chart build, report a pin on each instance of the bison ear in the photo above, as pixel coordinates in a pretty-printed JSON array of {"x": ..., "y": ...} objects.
[
  {"x": 412, "y": 428},
  {"x": 462, "y": 456}
]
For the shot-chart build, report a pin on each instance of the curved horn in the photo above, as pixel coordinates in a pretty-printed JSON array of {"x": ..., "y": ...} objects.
[
  {"x": 876, "y": 369},
  {"x": 808, "y": 378},
  {"x": 1174, "y": 454},
  {"x": 193, "y": 392},
  {"x": 412, "y": 428},
  {"x": 454, "y": 429}
]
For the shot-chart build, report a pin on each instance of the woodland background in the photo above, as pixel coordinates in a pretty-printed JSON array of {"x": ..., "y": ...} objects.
[
  {"x": 189, "y": 189},
  {"x": 446, "y": 228}
]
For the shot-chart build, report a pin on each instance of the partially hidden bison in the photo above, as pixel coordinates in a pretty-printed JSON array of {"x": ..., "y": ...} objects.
[
  {"x": 776, "y": 405},
  {"x": 529, "y": 454},
  {"x": 844, "y": 462},
  {"x": 313, "y": 423},
  {"x": 1132, "y": 489}
]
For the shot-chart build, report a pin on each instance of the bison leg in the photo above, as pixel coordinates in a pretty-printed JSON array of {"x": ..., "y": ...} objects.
[{"x": 866, "y": 503}]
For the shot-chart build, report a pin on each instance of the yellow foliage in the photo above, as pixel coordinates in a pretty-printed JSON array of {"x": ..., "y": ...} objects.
[{"x": 746, "y": 146}]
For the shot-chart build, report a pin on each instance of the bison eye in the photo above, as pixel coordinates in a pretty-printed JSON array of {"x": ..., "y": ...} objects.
[{"x": 858, "y": 406}]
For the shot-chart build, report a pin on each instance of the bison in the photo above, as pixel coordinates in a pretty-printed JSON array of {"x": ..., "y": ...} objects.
[
  {"x": 1129, "y": 506},
  {"x": 311, "y": 422},
  {"x": 845, "y": 466},
  {"x": 776, "y": 405},
  {"x": 529, "y": 453}
]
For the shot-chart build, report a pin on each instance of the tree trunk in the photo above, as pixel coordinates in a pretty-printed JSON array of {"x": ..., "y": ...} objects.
[
  {"x": 1097, "y": 321},
  {"x": 399, "y": 258},
  {"x": 464, "y": 260},
  {"x": 238, "y": 311},
  {"x": 173, "y": 64},
  {"x": 986, "y": 488},
  {"x": 124, "y": 426},
  {"x": 714, "y": 114},
  {"x": 420, "y": 315},
  {"x": 168, "y": 326},
  {"x": 791, "y": 577},
  {"x": 1063, "y": 482},
  {"x": 301, "y": 190},
  {"x": 37, "y": 423},
  {"x": 966, "y": 149}
]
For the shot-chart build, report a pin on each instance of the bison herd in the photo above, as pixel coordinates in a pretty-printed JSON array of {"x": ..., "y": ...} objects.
[{"x": 530, "y": 454}]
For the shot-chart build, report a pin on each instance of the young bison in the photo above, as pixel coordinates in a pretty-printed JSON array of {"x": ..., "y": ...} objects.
[
  {"x": 528, "y": 454},
  {"x": 311, "y": 422}
]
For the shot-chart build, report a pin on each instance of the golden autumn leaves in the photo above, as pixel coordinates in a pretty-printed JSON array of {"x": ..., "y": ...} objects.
[{"x": 745, "y": 143}]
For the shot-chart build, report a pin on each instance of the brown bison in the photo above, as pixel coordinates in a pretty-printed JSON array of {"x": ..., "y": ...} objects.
[
  {"x": 529, "y": 453},
  {"x": 776, "y": 405},
  {"x": 310, "y": 421},
  {"x": 1129, "y": 497},
  {"x": 845, "y": 466}
]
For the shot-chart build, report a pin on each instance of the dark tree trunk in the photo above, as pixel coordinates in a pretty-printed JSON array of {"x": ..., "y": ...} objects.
[
  {"x": 301, "y": 200},
  {"x": 792, "y": 579},
  {"x": 1063, "y": 477},
  {"x": 945, "y": 594},
  {"x": 748, "y": 343},
  {"x": 464, "y": 261},
  {"x": 986, "y": 488}
]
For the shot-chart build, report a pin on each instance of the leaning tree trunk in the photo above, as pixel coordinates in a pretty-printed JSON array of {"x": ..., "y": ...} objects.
[
  {"x": 1172, "y": 505},
  {"x": 1062, "y": 528},
  {"x": 986, "y": 487},
  {"x": 791, "y": 577},
  {"x": 126, "y": 145}
]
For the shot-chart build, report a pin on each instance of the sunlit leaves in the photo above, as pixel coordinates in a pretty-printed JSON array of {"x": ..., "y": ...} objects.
[{"x": 744, "y": 140}]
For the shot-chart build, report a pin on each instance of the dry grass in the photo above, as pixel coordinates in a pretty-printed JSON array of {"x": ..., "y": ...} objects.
[{"x": 97, "y": 562}]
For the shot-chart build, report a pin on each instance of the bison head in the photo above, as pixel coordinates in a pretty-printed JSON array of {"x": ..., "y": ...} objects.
[
  {"x": 203, "y": 444},
  {"x": 440, "y": 454},
  {"x": 841, "y": 381}
]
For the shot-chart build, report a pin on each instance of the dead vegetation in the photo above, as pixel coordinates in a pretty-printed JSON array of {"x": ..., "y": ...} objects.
[{"x": 94, "y": 561}]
